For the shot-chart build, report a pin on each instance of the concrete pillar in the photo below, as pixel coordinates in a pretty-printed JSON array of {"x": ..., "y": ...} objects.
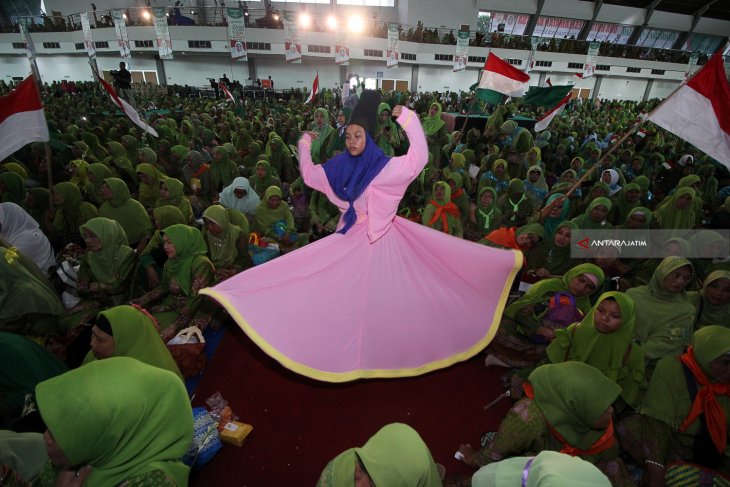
[
  {"x": 414, "y": 78},
  {"x": 252, "y": 70},
  {"x": 597, "y": 87},
  {"x": 161, "y": 76},
  {"x": 647, "y": 91}
]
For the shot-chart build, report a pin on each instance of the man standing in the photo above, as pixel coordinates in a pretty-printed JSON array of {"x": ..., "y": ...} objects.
[{"x": 123, "y": 82}]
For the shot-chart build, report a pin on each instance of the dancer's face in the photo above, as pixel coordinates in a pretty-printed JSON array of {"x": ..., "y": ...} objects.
[{"x": 355, "y": 139}]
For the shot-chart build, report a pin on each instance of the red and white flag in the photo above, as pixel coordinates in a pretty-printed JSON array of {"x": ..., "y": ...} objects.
[
  {"x": 228, "y": 94},
  {"x": 501, "y": 76},
  {"x": 22, "y": 119},
  {"x": 555, "y": 111},
  {"x": 699, "y": 111},
  {"x": 315, "y": 89},
  {"x": 126, "y": 108}
]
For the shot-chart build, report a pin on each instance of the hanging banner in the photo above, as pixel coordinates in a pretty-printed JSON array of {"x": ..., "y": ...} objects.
[
  {"x": 162, "y": 33},
  {"x": 237, "y": 34},
  {"x": 590, "y": 65},
  {"x": 122, "y": 39},
  {"x": 88, "y": 39},
  {"x": 393, "y": 46},
  {"x": 29, "y": 47},
  {"x": 692, "y": 64},
  {"x": 461, "y": 56},
  {"x": 342, "y": 52},
  {"x": 534, "y": 40},
  {"x": 292, "y": 45}
]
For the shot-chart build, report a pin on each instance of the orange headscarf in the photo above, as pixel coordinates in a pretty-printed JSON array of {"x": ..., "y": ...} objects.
[{"x": 442, "y": 211}]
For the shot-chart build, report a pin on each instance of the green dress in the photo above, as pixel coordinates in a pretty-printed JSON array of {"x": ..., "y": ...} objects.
[
  {"x": 149, "y": 192},
  {"x": 177, "y": 199},
  {"x": 228, "y": 250},
  {"x": 124, "y": 418},
  {"x": 129, "y": 212}
]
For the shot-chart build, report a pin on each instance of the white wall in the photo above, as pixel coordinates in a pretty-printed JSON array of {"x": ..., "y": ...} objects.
[
  {"x": 568, "y": 8},
  {"x": 298, "y": 75},
  {"x": 195, "y": 69},
  {"x": 432, "y": 78},
  {"x": 516, "y": 6},
  {"x": 440, "y": 13},
  {"x": 621, "y": 15},
  {"x": 670, "y": 21},
  {"x": 622, "y": 89},
  {"x": 662, "y": 89}
]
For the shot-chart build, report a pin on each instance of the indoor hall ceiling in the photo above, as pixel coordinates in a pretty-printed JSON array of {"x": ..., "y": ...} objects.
[{"x": 718, "y": 9}]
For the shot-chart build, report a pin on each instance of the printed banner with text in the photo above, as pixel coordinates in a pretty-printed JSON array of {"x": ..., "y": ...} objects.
[
  {"x": 237, "y": 34},
  {"x": 342, "y": 51},
  {"x": 292, "y": 45},
  {"x": 590, "y": 65},
  {"x": 393, "y": 46},
  {"x": 120, "y": 26},
  {"x": 162, "y": 33},
  {"x": 461, "y": 57},
  {"x": 88, "y": 39}
]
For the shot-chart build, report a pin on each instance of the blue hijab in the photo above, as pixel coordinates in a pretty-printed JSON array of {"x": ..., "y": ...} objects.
[{"x": 350, "y": 175}]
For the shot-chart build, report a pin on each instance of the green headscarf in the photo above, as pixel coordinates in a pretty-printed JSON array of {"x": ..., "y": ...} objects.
[
  {"x": 14, "y": 191},
  {"x": 395, "y": 456},
  {"x": 644, "y": 211},
  {"x": 223, "y": 172},
  {"x": 611, "y": 353},
  {"x": 189, "y": 244},
  {"x": 129, "y": 212},
  {"x": 711, "y": 314},
  {"x": 261, "y": 185},
  {"x": 122, "y": 417},
  {"x": 149, "y": 193},
  {"x": 136, "y": 336},
  {"x": 168, "y": 215},
  {"x": 670, "y": 217},
  {"x": 100, "y": 172},
  {"x": 486, "y": 217},
  {"x": 556, "y": 260},
  {"x": 180, "y": 152},
  {"x": 432, "y": 123},
  {"x": 223, "y": 247},
  {"x": 573, "y": 396},
  {"x": 585, "y": 221},
  {"x": 176, "y": 198},
  {"x": 622, "y": 206},
  {"x": 41, "y": 205},
  {"x": 266, "y": 217},
  {"x": 323, "y": 134},
  {"x": 150, "y": 156},
  {"x": 115, "y": 254}
]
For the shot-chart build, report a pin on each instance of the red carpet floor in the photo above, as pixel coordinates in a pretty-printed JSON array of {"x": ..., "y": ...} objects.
[{"x": 300, "y": 424}]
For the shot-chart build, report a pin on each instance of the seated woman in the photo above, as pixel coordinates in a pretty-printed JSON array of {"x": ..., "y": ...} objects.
[
  {"x": 441, "y": 213},
  {"x": 240, "y": 196},
  {"x": 175, "y": 303},
  {"x": 68, "y": 214},
  {"x": 684, "y": 416},
  {"x": 153, "y": 257},
  {"x": 323, "y": 215},
  {"x": 128, "y": 212},
  {"x": 665, "y": 318},
  {"x": 38, "y": 204},
  {"x": 97, "y": 173},
  {"x": 713, "y": 301},
  {"x": 458, "y": 196},
  {"x": 552, "y": 257},
  {"x": 18, "y": 229},
  {"x": 275, "y": 221},
  {"x": 529, "y": 324},
  {"x": 149, "y": 178},
  {"x": 603, "y": 339},
  {"x": 595, "y": 215},
  {"x": 12, "y": 188},
  {"x": 126, "y": 331},
  {"x": 484, "y": 217},
  {"x": 227, "y": 241},
  {"x": 523, "y": 238},
  {"x": 497, "y": 178},
  {"x": 555, "y": 212},
  {"x": 676, "y": 212},
  {"x": 106, "y": 273},
  {"x": 120, "y": 422},
  {"x": 171, "y": 193},
  {"x": 263, "y": 179},
  {"x": 395, "y": 456},
  {"x": 567, "y": 408},
  {"x": 515, "y": 206}
]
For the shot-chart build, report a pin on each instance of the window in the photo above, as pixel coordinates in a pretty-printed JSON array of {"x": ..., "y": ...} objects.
[
  {"x": 407, "y": 56},
  {"x": 52, "y": 45},
  {"x": 507, "y": 23},
  {"x": 367, "y": 3},
  {"x": 615, "y": 33},
  {"x": 633, "y": 70},
  {"x": 658, "y": 39},
  {"x": 444, "y": 57},
  {"x": 703, "y": 43},
  {"x": 515, "y": 62},
  {"x": 102, "y": 44},
  {"x": 21, "y": 45},
  {"x": 142, "y": 43},
  {"x": 477, "y": 59},
  {"x": 575, "y": 65},
  {"x": 603, "y": 67},
  {"x": 199, "y": 44},
  {"x": 373, "y": 53},
  {"x": 544, "y": 64},
  {"x": 657, "y": 71},
  {"x": 258, "y": 46},
  {"x": 319, "y": 49},
  {"x": 549, "y": 27}
]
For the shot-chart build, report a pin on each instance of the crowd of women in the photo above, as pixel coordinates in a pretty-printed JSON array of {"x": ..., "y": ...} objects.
[{"x": 623, "y": 363}]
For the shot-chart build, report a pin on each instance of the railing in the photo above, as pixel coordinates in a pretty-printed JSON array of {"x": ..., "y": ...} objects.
[{"x": 272, "y": 19}]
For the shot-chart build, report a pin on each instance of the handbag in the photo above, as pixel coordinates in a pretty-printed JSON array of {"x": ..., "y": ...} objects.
[
  {"x": 188, "y": 351},
  {"x": 682, "y": 474}
]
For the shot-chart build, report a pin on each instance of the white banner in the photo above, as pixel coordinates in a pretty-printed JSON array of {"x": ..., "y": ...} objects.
[
  {"x": 88, "y": 39},
  {"x": 122, "y": 38},
  {"x": 461, "y": 56},
  {"x": 237, "y": 35},
  {"x": 27, "y": 41},
  {"x": 162, "y": 33},
  {"x": 393, "y": 46},
  {"x": 534, "y": 40},
  {"x": 691, "y": 65},
  {"x": 292, "y": 45},
  {"x": 590, "y": 65}
]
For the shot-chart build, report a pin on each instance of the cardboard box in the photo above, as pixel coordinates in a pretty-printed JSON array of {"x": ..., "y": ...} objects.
[{"x": 235, "y": 433}]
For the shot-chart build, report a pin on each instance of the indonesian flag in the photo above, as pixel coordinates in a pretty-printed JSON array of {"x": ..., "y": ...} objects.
[
  {"x": 22, "y": 119},
  {"x": 555, "y": 111},
  {"x": 126, "y": 108},
  {"x": 228, "y": 94},
  {"x": 502, "y": 77},
  {"x": 699, "y": 111},
  {"x": 315, "y": 89}
]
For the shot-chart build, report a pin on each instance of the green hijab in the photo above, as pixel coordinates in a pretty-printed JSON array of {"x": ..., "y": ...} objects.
[
  {"x": 223, "y": 247},
  {"x": 671, "y": 217},
  {"x": 176, "y": 198},
  {"x": 433, "y": 123},
  {"x": 115, "y": 254},
  {"x": 14, "y": 188},
  {"x": 639, "y": 209},
  {"x": 129, "y": 212},
  {"x": 150, "y": 156},
  {"x": 136, "y": 336},
  {"x": 573, "y": 396},
  {"x": 121, "y": 416},
  {"x": 611, "y": 353},
  {"x": 395, "y": 456},
  {"x": 41, "y": 205},
  {"x": 585, "y": 222},
  {"x": 711, "y": 314},
  {"x": 189, "y": 244},
  {"x": 68, "y": 214},
  {"x": 222, "y": 172},
  {"x": 555, "y": 259},
  {"x": 168, "y": 215},
  {"x": 100, "y": 172},
  {"x": 266, "y": 217},
  {"x": 260, "y": 185},
  {"x": 149, "y": 193},
  {"x": 487, "y": 216},
  {"x": 323, "y": 134},
  {"x": 622, "y": 206}
]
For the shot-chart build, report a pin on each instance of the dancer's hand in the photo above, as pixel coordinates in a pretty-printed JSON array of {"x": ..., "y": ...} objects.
[
  {"x": 313, "y": 135},
  {"x": 397, "y": 110},
  {"x": 470, "y": 455}
]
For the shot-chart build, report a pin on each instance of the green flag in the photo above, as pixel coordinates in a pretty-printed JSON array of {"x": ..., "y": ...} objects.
[
  {"x": 546, "y": 97},
  {"x": 490, "y": 96}
]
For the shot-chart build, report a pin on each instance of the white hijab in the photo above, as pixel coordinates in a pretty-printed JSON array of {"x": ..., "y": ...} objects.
[
  {"x": 21, "y": 231},
  {"x": 246, "y": 205}
]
